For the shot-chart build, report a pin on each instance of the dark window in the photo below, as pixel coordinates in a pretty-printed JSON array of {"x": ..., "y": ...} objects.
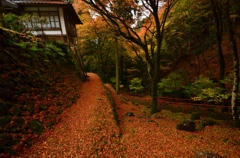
[{"x": 52, "y": 20}]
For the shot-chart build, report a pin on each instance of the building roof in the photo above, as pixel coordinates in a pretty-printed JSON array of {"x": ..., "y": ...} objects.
[
  {"x": 8, "y": 4},
  {"x": 61, "y": 2}
]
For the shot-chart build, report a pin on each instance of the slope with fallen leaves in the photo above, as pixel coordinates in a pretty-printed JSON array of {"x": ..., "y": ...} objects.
[{"x": 89, "y": 129}]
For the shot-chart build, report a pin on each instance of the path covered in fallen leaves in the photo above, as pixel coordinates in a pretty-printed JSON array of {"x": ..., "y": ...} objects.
[{"x": 88, "y": 129}]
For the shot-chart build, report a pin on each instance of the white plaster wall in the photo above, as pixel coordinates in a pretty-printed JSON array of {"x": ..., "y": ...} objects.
[
  {"x": 57, "y": 32},
  {"x": 64, "y": 32}
]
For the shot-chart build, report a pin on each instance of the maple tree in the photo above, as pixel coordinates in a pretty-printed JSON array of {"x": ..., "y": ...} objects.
[
  {"x": 124, "y": 16},
  {"x": 198, "y": 27},
  {"x": 98, "y": 43}
]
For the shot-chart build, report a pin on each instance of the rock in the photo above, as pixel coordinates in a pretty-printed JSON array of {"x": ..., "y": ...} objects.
[
  {"x": 207, "y": 122},
  {"x": 186, "y": 125},
  {"x": 195, "y": 116},
  {"x": 130, "y": 114},
  {"x": 207, "y": 155}
]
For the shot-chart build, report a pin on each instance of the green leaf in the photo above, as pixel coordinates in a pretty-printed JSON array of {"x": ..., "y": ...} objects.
[
  {"x": 34, "y": 48},
  {"x": 36, "y": 127}
]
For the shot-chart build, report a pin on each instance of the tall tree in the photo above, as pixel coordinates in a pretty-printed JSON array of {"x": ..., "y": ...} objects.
[
  {"x": 235, "y": 88},
  {"x": 218, "y": 19},
  {"x": 189, "y": 31},
  {"x": 123, "y": 16}
]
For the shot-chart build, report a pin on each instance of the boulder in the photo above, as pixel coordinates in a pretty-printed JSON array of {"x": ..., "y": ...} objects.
[
  {"x": 186, "y": 125},
  {"x": 129, "y": 114}
]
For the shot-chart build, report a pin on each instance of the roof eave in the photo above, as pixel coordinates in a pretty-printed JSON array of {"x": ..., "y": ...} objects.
[
  {"x": 9, "y": 4},
  {"x": 74, "y": 14}
]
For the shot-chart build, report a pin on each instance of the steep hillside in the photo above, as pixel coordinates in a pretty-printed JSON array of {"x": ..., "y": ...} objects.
[
  {"x": 38, "y": 81},
  {"x": 207, "y": 63}
]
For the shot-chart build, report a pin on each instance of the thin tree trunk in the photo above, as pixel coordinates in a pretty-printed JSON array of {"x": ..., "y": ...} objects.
[
  {"x": 235, "y": 67},
  {"x": 155, "y": 77},
  {"x": 154, "y": 107},
  {"x": 199, "y": 65},
  {"x": 204, "y": 59},
  {"x": 117, "y": 65},
  {"x": 218, "y": 24},
  {"x": 195, "y": 66},
  {"x": 2, "y": 22}
]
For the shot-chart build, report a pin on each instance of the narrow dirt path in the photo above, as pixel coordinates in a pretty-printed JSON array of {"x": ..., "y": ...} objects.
[{"x": 87, "y": 129}]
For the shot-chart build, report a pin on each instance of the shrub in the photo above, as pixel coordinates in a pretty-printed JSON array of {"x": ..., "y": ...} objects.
[
  {"x": 135, "y": 85},
  {"x": 172, "y": 85},
  {"x": 4, "y": 120},
  {"x": 186, "y": 125},
  {"x": 12, "y": 22},
  {"x": 19, "y": 23},
  {"x": 43, "y": 107},
  {"x": 36, "y": 127},
  {"x": 197, "y": 86},
  {"x": 205, "y": 89}
]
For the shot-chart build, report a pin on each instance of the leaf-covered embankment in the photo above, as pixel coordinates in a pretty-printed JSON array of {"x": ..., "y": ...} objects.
[
  {"x": 38, "y": 81},
  {"x": 87, "y": 129}
]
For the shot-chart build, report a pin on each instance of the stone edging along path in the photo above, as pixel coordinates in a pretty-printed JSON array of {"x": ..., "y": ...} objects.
[
  {"x": 89, "y": 129},
  {"x": 86, "y": 129}
]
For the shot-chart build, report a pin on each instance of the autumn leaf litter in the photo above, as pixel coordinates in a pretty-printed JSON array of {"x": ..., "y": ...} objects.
[{"x": 88, "y": 129}]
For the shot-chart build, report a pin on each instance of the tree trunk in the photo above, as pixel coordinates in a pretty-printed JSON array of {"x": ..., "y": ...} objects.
[
  {"x": 154, "y": 107},
  {"x": 117, "y": 65},
  {"x": 235, "y": 67},
  {"x": 2, "y": 22},
  {"x": 218, "y": 24}
]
